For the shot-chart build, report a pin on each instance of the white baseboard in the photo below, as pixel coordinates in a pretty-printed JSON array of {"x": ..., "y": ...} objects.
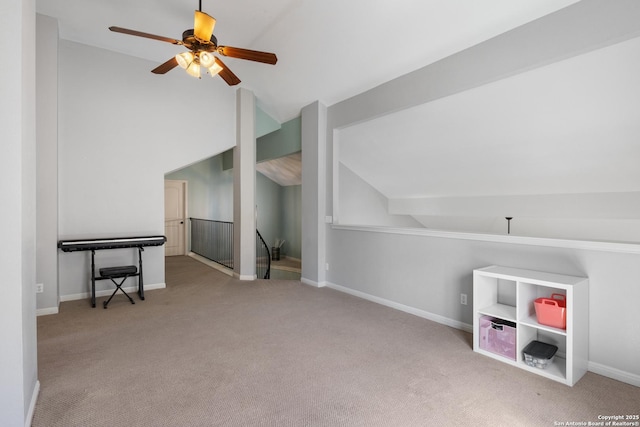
[
  {"x": 407, "y": 309},
  {"x": 312, "y": 283},
  {"x": 32, "y": 405},
  {"x": 283, "y": 268},
  {"x": 107, "y": 292},
  {"x": 616, "y": 374},
  {"x": 596, "y": 368},
  {"x": 211, "y": 264},
  {"x": 46, "y": 311},
  {"x": 244, "y": 276}
]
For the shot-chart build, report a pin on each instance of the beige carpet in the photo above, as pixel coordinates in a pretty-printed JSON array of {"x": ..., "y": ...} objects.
[{"x": 212, "y": 351}]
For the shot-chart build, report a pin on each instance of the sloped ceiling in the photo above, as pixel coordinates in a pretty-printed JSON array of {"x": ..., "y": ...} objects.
[
  {"x": 285, "y": 171},
  {"x": 569, "y": 127},
  {"x": 328, "y": 50}
]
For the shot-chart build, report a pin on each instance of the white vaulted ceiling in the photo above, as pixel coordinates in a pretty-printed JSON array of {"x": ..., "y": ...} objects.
[
  {"x": 569, "y": 127},
  {"x": 327, "y": 50}
]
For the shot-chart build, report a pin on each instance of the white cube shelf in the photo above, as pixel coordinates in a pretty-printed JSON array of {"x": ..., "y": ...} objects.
[{"x": 509, "y": 294}]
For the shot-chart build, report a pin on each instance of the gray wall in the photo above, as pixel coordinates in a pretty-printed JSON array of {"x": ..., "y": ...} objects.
[
  {"x": 47, "y": 163},
  {"x": 18, "y": 357},
  {"x": 314, "y": 193},
  {"x": 291, "y": 220},
  {"x": 426, "y": 274},
  {"x": 280, "y": 143},
  {"x": 269, "y": 208},
  {"x": 115, "y": 146}
]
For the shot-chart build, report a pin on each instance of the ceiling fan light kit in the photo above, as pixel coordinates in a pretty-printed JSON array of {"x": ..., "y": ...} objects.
[
  {"x": 193, "y": 69},
  {"x": 215, "y": 69},
  {"x": 207, "y": 59},
  {"x": 191, "y": 63},
  {"x": 184, "y": 59},
  {"x": 202, "y": 44}
]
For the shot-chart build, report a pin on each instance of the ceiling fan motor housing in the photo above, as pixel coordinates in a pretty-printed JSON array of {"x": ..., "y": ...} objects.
[{"x": 190, "y": 41}]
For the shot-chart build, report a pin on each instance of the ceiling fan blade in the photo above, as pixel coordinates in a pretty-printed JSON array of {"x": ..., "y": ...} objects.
[
  {"x": 147, "y": 35},
  {"x": 251, "y": 55},
  {"x": 167, "y": 66},
  {"x": 203, "y": 26},
  {"x": 226, "y": 74}
]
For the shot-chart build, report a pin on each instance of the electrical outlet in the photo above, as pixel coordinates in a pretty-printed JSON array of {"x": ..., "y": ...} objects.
[
  {"x": 39, "y": 288},
  {"x": 463, "y": 299},
  {"x": 326, "y": 266}
]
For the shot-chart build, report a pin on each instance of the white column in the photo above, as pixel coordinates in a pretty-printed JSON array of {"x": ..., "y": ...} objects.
[
  {"x": 244, "y": 188},
  {"x": 314, "y": 194}
]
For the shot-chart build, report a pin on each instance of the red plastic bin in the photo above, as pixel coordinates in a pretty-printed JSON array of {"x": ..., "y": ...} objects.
[{"x": 552, "y": 311}]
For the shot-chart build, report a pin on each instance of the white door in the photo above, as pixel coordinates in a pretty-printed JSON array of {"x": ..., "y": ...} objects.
[{"x": 175, "y": 217}]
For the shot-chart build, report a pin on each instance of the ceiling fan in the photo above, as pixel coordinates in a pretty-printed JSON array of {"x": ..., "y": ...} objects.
[{"x": 202, "y": 45}]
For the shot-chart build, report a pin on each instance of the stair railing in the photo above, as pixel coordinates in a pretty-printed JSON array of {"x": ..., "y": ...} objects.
[
  {"x": 263, "y": 258},
  {"x": 213, "y": 240}
]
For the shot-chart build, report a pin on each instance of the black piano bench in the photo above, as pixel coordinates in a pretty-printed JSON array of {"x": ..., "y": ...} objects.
[{"x": 113, "y": 273}]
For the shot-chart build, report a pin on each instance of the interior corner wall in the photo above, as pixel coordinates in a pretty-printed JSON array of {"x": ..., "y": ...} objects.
[
  {"x": 281, "y": 142},
  {"x": 47, "y": 162},
  {"x": 18, "y": 358},
  {"x": 360, "y": 203},
  {"x": 265, "y": 123},
  {"x": 427, "y": 274},
  {"x": 121, "y": 128}
]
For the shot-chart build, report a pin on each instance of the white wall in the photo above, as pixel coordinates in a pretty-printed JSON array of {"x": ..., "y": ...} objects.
[
  {"x": 18, "y": 358},
  {"x": 425, "y": 273},
  {"x": 121, "y": 128}
]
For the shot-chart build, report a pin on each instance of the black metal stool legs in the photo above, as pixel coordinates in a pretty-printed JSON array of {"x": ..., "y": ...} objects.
[{"x": 118, "y": 286}]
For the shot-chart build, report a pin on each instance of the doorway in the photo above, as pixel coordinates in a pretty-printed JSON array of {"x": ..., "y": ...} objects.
[{"x": 175, "y": 217}]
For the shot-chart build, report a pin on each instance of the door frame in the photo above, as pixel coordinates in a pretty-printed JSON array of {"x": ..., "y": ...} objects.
[{"x": 185, "y": 195}]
